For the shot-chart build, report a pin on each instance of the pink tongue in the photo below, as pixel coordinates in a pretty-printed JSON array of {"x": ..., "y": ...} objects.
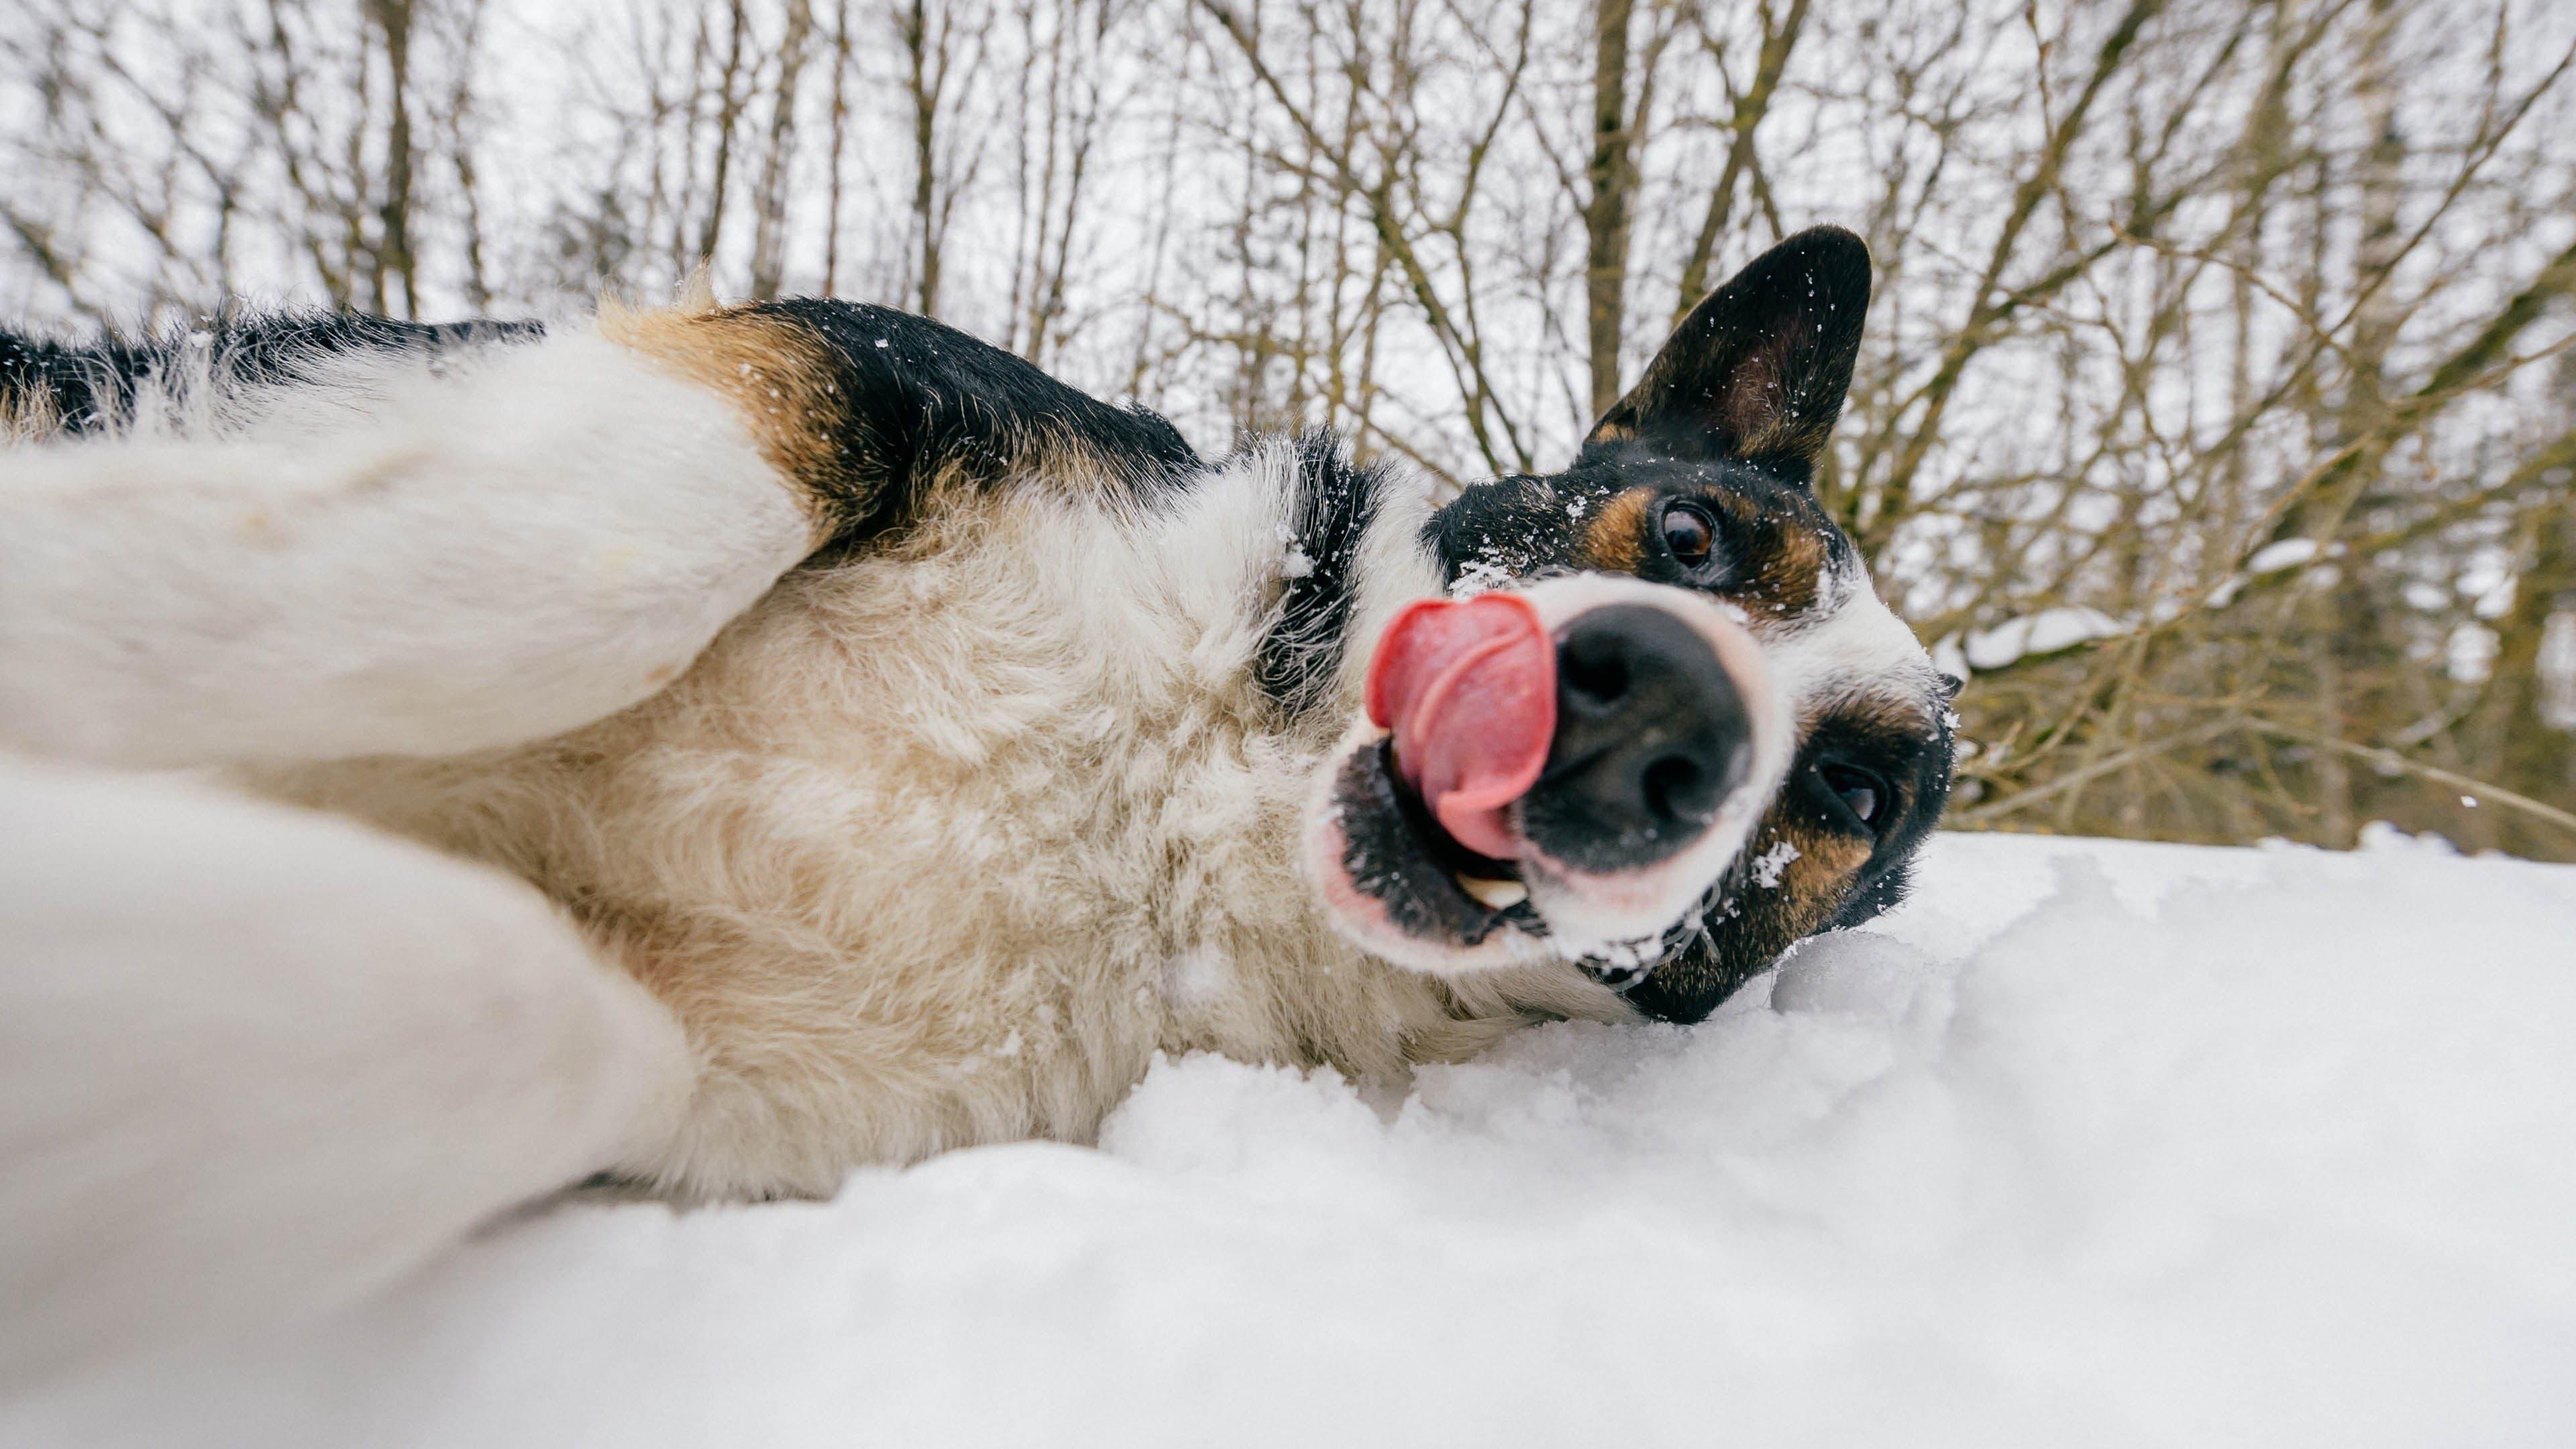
[{"x": 1470, "y": 690}]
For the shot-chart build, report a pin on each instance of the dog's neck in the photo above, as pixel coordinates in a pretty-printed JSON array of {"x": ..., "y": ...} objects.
[{"x": 1254, "y": 970}]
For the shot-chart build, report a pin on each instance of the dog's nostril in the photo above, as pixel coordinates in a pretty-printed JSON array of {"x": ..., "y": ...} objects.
[
  {"x": 1676, "y": 789},
  {"x": 1591, "y": 674},
  {"x": 1687, "y": 788}
]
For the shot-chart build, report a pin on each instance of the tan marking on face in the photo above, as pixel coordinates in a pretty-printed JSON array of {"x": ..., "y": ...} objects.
[
  {"x": 1614, "y": 542},
  {"x": 1781, "y": 563},
  {"x": 1879, "y": 712},
  {"x": 1814, "y": 885},
  {"x": 773, "y": 372},
  {"x": 1757, "y": 922},
  {"x": 1790, "y": 574}
]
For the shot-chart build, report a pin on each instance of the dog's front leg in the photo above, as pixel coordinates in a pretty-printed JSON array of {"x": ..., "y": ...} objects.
[
  {"x": 398, "y": 558},
  {"x": 255, "y": 1062}
]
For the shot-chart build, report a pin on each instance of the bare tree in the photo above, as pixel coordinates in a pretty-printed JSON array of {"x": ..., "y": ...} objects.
[
  {"x": 2214, "y": 415},
  {"x": 940, "y": 47}
]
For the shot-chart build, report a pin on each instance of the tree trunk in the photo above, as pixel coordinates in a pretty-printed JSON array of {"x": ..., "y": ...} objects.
[
  {"x": 840, "y": 126},
  {"x": 728, "y": 115},
  {"x": 1612, "y": 185},
  {"x": 923, "y": 82},
  {"x": 393, "y": 23}
]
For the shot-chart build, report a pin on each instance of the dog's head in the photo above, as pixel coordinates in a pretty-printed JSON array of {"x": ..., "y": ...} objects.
[{"x": 1662, "y": 726}]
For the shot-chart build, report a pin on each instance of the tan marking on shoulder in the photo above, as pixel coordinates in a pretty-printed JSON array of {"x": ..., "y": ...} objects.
[
  {"x": 775, "y": 373},
  {"x": 1614, "y": 541}
]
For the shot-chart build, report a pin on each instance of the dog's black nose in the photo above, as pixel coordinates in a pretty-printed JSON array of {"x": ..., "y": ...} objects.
[{"x": 1651, "y": 737}]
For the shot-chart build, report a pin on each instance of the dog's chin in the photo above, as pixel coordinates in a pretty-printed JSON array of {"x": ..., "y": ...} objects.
[{"x": 1398, "y": 886}]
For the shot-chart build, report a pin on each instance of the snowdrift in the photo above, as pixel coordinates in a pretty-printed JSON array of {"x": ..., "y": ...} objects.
[{"x": 2091, "y": 1143}]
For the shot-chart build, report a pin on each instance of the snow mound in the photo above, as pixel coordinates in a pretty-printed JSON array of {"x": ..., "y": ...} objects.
[{"x": 2093, "y": 1143}]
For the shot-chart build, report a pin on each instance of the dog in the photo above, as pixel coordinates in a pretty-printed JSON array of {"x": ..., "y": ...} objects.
[{"x": 715, "y": 748}]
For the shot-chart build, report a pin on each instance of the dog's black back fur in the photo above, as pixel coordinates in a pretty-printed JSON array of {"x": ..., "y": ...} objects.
[
  {"x": 88, "y": 386},
  {"x": 913, "y": 401}
]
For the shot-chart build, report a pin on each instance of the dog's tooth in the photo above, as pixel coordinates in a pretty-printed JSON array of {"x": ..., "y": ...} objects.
[{"x": 1496, "y": 895}]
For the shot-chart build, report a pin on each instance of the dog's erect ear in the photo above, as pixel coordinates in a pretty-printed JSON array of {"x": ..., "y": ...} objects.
[{"x": 1758, "y": 369}]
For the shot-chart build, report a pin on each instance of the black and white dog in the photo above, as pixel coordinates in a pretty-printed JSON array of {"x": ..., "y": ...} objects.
[{"x": 722, "y": 747}]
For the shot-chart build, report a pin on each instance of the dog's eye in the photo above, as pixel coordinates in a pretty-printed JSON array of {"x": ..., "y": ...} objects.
[
  {"x": 1865, "y": 795},
  {"x": 1690, "y": 533}
]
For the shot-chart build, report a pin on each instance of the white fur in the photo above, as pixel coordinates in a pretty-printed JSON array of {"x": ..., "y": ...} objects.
[
  {"x": 394, "y": 562},
  {"x": 255, "y": 1062},
  {"x": 1856, "y": 645}
]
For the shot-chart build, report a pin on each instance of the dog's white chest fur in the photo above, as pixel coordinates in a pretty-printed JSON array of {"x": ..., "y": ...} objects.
[{"x": 941, "y": 845}]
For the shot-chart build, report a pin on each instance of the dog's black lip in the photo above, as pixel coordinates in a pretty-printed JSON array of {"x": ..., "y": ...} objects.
[
  {"x": 1446, "y": 858},
  {"x": 1436, "y": 842},
  {"x": 1371, "y": 781}
]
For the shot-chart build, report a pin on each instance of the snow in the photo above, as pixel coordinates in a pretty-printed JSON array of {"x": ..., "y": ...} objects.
[
  {"x": 2092, "y": 1143},
  {"x": 1768, "y": 866},
  {"x": 2045, "y": 632},
  {"x": 2289, "y": 553}
]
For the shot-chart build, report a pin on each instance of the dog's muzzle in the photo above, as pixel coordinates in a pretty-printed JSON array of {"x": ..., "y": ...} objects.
[
  {"x": 1559, "y": 771},
  {"x": 1651, "y": 737}
]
